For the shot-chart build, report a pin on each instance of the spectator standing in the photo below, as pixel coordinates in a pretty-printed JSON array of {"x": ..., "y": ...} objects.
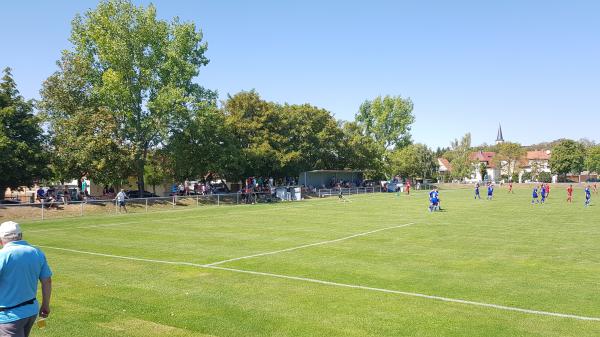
[
  {"x": 21, "y": 267},
  {"x": 120, "y": 198}
]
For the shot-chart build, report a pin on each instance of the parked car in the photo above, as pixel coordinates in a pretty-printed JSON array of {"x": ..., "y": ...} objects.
[{"x": 133, "y": 194}]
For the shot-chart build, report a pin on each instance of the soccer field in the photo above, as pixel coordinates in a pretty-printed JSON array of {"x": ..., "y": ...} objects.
[{"x": 380, "y": 265}]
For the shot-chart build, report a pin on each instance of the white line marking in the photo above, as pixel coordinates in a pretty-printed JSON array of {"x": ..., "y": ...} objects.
[
  {"x": 308, "y": 245},
  {"x": 124, "y": 257},
  {"x": 336, "y": 284},
  {"x": 405, "y": 293}
]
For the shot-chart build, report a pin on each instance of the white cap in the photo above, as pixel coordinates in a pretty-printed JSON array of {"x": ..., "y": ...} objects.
[{"x": 10, "y": 227}]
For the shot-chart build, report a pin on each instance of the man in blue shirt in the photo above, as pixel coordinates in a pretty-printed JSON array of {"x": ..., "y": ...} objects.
[
  {"x": 543, "y": 193},
  {"x": 588, "y": 195},
  {"x": 535, "y": 195},
  {"x": 477, "y": 196},
  {"x": 21, "y": 266},
  {"x": 490, "y": 191}
]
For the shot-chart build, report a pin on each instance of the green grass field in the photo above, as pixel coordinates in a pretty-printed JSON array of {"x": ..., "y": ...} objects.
[{"x": 504, "y": 252}]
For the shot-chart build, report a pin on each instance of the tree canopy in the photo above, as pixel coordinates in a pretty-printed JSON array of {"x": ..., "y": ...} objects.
[
  {"x": 132, "y": 68},
  {"x": 592, "y": 160},
  {"x": 387, "y": 120},
  {"x": 567, "y": 157},
  {"x": 414, "y": 160},
  {"x": 459, "y": 157},
  {"x": 22, "y": 152},
  {"x": 508, "y": 156}
]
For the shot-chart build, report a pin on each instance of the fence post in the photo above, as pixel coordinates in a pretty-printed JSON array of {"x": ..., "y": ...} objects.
[
  {"x": 196, "y": 200},
  {"x": 146, "y": 205},
  {"x": 81, "y": 209},
  {"x": 174, "y": 200},
  {"x": 218, "y": 200},
  {"x": 42, "y": 209},
  {"x": 237, "y": 198},
  {"x": 116, "y": 207}
]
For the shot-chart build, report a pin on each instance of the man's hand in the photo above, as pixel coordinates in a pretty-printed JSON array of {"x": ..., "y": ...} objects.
[
  {"x": 44, "y": 310},
  {"x": 46, "y": 292}
]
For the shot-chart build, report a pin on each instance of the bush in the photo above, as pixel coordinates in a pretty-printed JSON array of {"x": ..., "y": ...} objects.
[
  {"x": 515, "y": 177},
  {"x": 545, "y": 177},
  {"x": 526, "y": 176}
]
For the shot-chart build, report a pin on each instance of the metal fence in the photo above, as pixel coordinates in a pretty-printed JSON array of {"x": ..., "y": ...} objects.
[
  {"x": 326, "y": 192},
  {"x": 55, "y": 210}
]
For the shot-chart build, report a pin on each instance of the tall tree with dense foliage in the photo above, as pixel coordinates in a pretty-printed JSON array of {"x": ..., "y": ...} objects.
[
  {"x": 205, "y": 144},
  {"x": 249, "y": 118},
  {"x": 460, "y": 157},
  {"x": 508, "y": 156},
  {"x": 282, "y": 140},
  {"x": 387, "y": 120},
  {"x": 567, "y": 157},
  {"x": 592, "y": 159},
  {"x": 360, "y": 152},
  {"x": 22, "y": 154},
  {"x": 415, "y": 160},
  {"x": 135, "y": 68}
]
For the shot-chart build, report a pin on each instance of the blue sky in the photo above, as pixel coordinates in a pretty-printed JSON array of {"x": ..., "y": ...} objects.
[{"x": 533, "y": 66}]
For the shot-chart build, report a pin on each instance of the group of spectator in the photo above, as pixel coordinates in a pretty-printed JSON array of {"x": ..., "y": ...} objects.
[
  {"x": 193, "y": 188},
  {"x": 52, "y": 196}
]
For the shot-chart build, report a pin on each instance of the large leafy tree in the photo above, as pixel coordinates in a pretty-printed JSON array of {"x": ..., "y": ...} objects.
[
  {"x": 360, "y": 152},
  {"x": 412, "y": 161},
  {"x": 136, "y": 69},
  {"x": 204, "y": 145},
  {"x": 508, "y": 156},
  {"x": 251, "y": 120},
  {"x": 592, "y": 159},
  {"x": 281, "y": 140},
  {"x": 310, "y": 139},
  {"x": 459, "y": 157},
  {"x": 567, "y": 157},
  {"x": 387, "y": 120},
  {"x": 22, "y": 154}
]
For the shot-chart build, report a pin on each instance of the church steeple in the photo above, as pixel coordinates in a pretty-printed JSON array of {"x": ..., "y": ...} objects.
[{"x": 499, "y": 138}]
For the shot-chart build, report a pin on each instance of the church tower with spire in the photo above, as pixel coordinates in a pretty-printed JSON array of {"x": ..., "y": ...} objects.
[{"x": 499, "y": 138}]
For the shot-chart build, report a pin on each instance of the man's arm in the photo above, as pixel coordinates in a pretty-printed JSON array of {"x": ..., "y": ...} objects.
[{"x": 46, "y": 292}]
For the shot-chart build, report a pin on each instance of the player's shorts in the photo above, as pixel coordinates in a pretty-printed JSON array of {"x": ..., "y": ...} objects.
[{"x": 122, "y": 203}]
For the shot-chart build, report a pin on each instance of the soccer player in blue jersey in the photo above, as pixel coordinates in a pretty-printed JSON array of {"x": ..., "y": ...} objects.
[
  {"x": 535, "y": 195},
  {"x": 543, "y": 192},
  {"x": 477, "y": 196},
  {"x": 434, "y": 200},
  {"x": 490, "y": 191},
  {"x": 588, "y": 196}
]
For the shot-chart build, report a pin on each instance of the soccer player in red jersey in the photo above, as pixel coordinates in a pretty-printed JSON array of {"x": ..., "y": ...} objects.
[
  {"x": 407, "y": 187},
  {"x": 570, "y": 194},
  {"x": 547, "y": 190},
  {"x": 510, "y": 187}
]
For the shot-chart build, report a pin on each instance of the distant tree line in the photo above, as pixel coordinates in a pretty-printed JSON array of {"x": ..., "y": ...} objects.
[{"x": 567, "y": 157}]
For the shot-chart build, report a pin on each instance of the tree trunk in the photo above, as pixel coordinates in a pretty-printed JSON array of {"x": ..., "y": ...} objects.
[{"x": 140, "y": 176}]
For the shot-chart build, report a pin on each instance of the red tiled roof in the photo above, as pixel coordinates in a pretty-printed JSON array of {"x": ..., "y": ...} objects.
[
  {"x": 484, "y": 157},
  {"x": 538, "y": 155},
  {"x": 446, "y": 163}
]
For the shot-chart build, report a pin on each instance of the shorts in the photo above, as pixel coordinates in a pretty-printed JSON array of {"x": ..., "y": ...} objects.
[
  {"x": 122, "y": 203},
  {"x": 20, "y": 328}
]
